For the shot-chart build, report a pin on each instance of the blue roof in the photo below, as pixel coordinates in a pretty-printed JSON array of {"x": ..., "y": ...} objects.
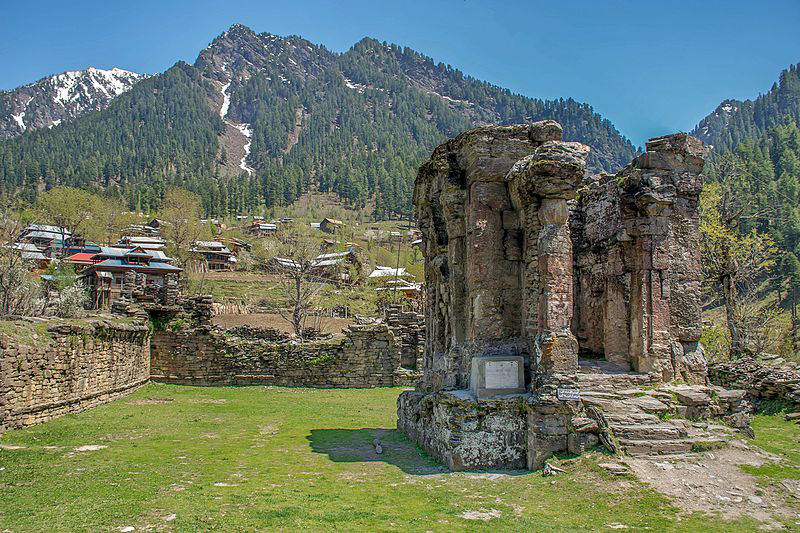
[{"x": 118, "y": 263}]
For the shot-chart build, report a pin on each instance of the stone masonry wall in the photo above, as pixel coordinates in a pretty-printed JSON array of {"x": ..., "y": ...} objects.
[
  {"x": 367, "y": 356},
  {"x": 81, "y": 367},
  {"x": 768, "y": 378},
  {"x": 637, "y": 262}
]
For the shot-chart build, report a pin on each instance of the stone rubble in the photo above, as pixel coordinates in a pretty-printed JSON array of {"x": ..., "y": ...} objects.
[{"x": 767, "y": 378}]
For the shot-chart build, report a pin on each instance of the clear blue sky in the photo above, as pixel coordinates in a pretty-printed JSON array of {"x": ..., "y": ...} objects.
[{"x": 650, "y": 67}]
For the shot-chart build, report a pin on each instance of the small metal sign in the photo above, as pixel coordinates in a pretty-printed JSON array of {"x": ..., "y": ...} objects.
[{"x": 567, "y": 395}]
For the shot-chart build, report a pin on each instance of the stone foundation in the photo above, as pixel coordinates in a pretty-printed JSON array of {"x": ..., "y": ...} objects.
[
  {"x": 77, "y": 368},
  {"x": 463, "y": 433}
]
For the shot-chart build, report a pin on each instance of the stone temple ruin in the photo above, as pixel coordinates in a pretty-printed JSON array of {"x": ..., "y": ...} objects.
[{"x": 529, "y": 265}]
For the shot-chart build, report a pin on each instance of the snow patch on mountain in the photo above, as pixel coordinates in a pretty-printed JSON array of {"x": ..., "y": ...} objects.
[
  {"x": 18, "y": 119},
  {"x": 357, "y": 86},
  {"x": 60, "y": 97},
  {"x": 226, "y": 101},
  {"x": 72, "y": 85},
  {"x": 247, "y": 131}
]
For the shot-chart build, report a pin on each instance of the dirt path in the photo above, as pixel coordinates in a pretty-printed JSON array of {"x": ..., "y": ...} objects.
[{"x": 713, "y": 481}]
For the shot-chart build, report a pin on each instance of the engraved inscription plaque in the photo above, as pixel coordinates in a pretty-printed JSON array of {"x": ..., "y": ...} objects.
[
  {"x": 569, "y": 395},
  {"x": 502, "y": 374}
]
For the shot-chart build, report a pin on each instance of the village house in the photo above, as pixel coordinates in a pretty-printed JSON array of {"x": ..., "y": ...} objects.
[
  {"x": 262, "y": 229},
  {"x": 216, "y": 255},
  {"x": 237, "y": 245},
  {"x": 30, "y": 252},
  {"x": 331, "y": 225},
  {"x": 141, "y": 230},
  {"x": 48, "y": 239},
  {"x": 383, "y": 274},
  {"x": 324, "y": 266},
  {"x": 136, "y": 241},
  {"x": 410, "y": 289},
  {"x": 105, "y": 273}
]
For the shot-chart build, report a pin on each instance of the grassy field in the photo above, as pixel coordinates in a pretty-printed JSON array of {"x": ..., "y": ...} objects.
[{"x": 170, "y": 458}]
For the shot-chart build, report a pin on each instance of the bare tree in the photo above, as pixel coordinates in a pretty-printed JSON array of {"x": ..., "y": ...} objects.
[
  {"x": 301, "y": 279},
  {"x": 20, "y": 294}
]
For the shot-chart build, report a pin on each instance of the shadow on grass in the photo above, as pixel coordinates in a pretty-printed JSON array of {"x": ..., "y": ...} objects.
[{"x": 357, "y": 446}]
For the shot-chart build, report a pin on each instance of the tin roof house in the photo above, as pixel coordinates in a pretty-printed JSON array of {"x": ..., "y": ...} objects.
[
  {"x": 215, "y": 254},
  {"x": 146, "y": 242},
  {"x": 111, "y": 272}
]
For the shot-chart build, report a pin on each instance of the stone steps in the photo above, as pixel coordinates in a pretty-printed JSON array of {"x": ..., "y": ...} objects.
[
  {"x": 655, "y": 447},
  {"x": 647, "y": 431},
  {"x": 636, "y": 416}
]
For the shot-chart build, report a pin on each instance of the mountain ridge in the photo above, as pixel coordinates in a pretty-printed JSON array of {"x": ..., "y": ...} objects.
[
  {"x": 734, "y": 121},
  {"x": 53, "y": 99},
  {"x": 283, "y": 114}
]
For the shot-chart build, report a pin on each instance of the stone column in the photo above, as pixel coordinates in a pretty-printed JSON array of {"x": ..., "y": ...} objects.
[
  {"x": 550, "y": 177},
  {"x": 662, "y": 188},
  {"x": 555, "y": 349}
]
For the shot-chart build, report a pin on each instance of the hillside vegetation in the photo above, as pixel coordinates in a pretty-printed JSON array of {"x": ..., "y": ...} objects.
[{"x": 358, "y": 124}]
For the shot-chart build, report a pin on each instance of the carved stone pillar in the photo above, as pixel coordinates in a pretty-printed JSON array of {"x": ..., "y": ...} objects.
[{"x": 549, "y": 178}]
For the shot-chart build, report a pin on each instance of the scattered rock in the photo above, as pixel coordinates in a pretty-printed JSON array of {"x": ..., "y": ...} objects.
[
  {"x": 91, "y": 448},
  {"x": 482, "y": 514},
  {"x": 614, "y": 468},
  {"x": 550, "y": 470}
]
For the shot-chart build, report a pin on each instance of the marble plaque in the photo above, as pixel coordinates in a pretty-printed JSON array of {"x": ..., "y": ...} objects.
[
  {"x": 569, "y": 395},
  {"x": 502, "y": 375}
]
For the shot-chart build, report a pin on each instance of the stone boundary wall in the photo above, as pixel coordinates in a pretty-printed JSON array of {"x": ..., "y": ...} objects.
[
  {"x": 764, "y": 380},
  {"x": 80, "y": 367},
  {"x": 367, "y": 356}
]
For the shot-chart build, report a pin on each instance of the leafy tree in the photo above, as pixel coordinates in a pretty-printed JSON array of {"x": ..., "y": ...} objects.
[
  {"x": 732, "y": 260},
  {"x": 181, "y": 211},
  {"x": 69, "y": 208}
]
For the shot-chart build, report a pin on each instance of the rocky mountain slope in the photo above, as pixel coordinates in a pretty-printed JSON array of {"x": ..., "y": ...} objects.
[
  {"x": 273, "y": 116},
  {"x": 55, "y": 99},
  {"x": 734, "y": 120}
]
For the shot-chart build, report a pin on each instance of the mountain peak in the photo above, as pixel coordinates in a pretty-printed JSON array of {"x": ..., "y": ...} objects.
[
  {"x": 238, "y": 30},
  {"x": 240, "y": 53},
  {"x": 735, "y": 120},
  {"x": 60, "y": 97}
]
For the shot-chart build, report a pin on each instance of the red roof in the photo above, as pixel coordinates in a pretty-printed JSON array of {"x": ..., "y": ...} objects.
[{"x": 81, "y": 259}]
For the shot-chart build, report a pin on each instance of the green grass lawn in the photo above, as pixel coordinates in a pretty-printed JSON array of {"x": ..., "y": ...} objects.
[{"x": 281, "y": 459}]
